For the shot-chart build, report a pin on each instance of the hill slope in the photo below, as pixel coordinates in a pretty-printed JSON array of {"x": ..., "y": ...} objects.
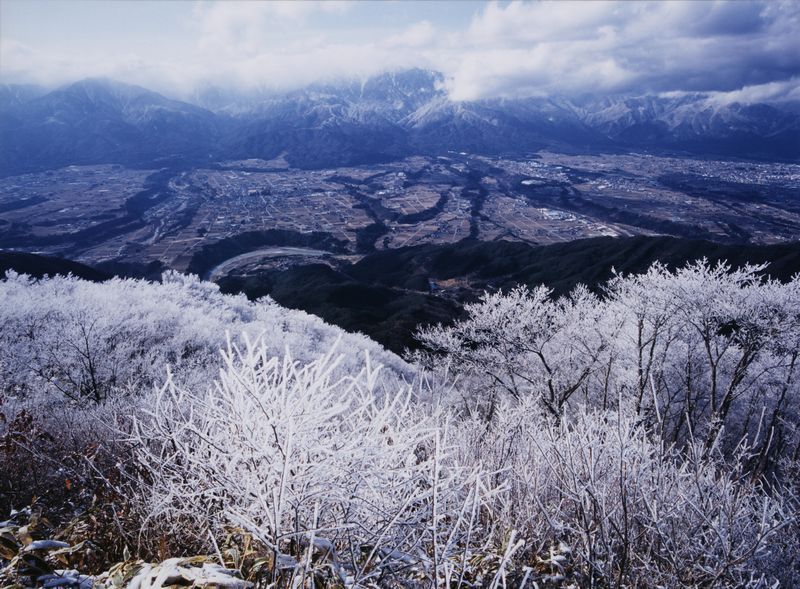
[
  {"x": 40, "y": 266},
  {"x": 386, "y": 295}
]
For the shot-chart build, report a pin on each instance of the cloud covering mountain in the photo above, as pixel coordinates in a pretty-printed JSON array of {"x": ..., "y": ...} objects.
[{"x": 515, "y": 49}]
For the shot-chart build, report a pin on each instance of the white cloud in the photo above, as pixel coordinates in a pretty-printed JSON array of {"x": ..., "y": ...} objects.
[
  {"x": 237, "y": 28},
  {"x": 543, "y": 69},
  {"x": 418, "y": 35},
  {"x": 772, "y": 92},
  {"x": 520, "y": 22},
  {"x": 566, "y": 47},
  {"x": 513, "y": 49}
]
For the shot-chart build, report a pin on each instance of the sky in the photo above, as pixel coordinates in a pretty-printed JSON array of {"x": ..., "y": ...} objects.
[{"x": 739, "y": 50}]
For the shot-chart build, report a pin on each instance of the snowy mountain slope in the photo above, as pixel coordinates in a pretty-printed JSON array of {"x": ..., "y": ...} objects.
[
  {"x": 12, "y": 95},
  {"x": 78, "y": 339},
  {"x": 102, "y": 121},
  {"x": 381, "y": 118}
]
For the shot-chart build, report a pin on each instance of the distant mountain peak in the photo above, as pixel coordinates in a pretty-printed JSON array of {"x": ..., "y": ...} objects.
[
  {"x": 104, "y": 85},
  {"x": 12, "y": 95},
  {"x": 383, "y": 117}
]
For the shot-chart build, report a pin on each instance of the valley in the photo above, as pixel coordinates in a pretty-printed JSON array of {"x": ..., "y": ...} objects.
[
  {"x": 109, "y": 213},
  {"x": 383, "y": 248}
]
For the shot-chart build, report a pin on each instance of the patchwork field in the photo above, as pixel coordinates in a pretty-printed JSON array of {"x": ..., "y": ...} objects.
[{"x": 110, "y": 213}]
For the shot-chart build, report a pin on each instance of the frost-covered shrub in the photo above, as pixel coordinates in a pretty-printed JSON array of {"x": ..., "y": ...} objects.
[
  {"x": 89, "y": 341},
  {"x": 645, "y": 437},
  {"x": 77, "y": 358},
  {"x": 631, "y": 511},
  {"x": 62, "y": 453},
  {"x": 702, "y": 352},
  {"x": 652, "y": 430},
  {"x": 299, "y": 457}
]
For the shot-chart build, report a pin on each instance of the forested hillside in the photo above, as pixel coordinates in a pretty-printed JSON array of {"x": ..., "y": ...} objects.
[
  {"x": 643, "y": 435},
  {"x": 388, "y": 293}
]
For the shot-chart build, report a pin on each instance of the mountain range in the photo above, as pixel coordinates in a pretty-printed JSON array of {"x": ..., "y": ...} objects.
[{"x": 385, "y": 117}]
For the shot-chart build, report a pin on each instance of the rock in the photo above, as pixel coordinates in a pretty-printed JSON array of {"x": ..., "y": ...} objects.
[{"x": 45, "y": 545}]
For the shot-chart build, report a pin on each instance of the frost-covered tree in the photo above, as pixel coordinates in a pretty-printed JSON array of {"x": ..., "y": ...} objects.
[
  {"x": 522, "y": 344},
  {"x": 709, "y": 350},
  {"x": 704, "y": 352}
]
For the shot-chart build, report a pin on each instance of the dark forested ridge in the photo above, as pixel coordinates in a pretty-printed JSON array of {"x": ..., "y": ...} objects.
[
  {"x": 504, "y": 264},
  {"x": 388, "y": 315},
  {"x": 388, "y": 293},
  {"x": 39, "y": 266}
]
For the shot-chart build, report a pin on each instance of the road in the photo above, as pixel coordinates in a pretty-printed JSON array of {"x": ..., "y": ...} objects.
[{"x": 223, "y": 268}]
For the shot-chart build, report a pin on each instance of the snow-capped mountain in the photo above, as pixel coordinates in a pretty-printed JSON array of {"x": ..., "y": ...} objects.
[
  {"x": 692, "y": 121},
  {"x": 12, "y": 95},
  {"x": 381, "y": 118},
  {"x": 101, "y": 121}
]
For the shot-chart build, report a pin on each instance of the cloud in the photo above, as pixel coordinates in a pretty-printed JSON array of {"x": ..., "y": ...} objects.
[
  {"x": 573, "y": 47},
  {"x": 419, "y": 35},
  {"x": 539, "y": 71},
  {"x": 788, "y": 90},
  {"x": 237, "y": 28},
  {"x": 505, "y": 50},
  {"x": 525, "y": 23}
]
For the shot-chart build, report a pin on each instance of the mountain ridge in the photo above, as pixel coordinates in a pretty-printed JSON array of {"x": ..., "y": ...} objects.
[
  {"x": 388, "y": 294},
  {"x": 385, "y": 117}
]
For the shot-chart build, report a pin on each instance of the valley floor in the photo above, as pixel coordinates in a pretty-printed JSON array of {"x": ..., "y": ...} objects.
[{"x": 110, "y": 214}]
